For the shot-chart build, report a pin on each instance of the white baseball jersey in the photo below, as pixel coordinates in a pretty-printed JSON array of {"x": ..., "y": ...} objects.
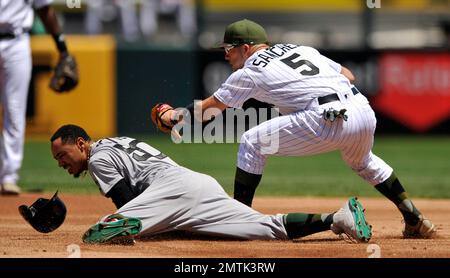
[
  {"x": 292, "y": 78},
  {"x": 283, "y": 76},
  {"x": 174, "y": 197},
  {"x": 16, "y": 18}
]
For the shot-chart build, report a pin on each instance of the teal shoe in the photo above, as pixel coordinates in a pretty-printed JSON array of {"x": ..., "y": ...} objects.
[
  {"x": 114, "y": 229},
  {"x": 351, "y": 220}
]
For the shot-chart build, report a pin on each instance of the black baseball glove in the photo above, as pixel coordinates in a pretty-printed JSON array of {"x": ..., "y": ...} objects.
[
  {"x": 65, "y": 77},
  {"x": 45, "y": 215}
]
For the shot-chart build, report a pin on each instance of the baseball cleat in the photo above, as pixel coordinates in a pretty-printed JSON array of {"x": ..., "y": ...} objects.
[
  {"x": 113, "y": 229},
  {"x": 122, "y": 240},
  {"x": 423, "y": 229},
  {"x": 350, "y": 219},
  {"x": 9, "y": 189}
]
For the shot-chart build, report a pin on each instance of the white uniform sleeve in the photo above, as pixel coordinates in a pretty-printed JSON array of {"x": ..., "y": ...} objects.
[
  {"x": 336, "y": 66},
  {"x": 104, "y": 172},
  {"x": 37, "y": 4},
  {"x": 236, "y": 90}
]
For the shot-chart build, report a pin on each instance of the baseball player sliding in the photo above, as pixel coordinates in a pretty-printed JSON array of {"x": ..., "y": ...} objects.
[
  {"x": 16, "y": 18},
  {"x": 321, "y": 112},
  {"x": 154, "y": 195}
]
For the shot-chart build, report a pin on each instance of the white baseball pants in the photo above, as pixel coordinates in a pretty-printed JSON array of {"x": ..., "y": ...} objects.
[
  {"x": 306, "y": 133},
  {"x": 15, "y": 74}
]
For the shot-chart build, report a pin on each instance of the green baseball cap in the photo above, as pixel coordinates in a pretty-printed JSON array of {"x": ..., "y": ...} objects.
[{"x": 244, "y": 32}]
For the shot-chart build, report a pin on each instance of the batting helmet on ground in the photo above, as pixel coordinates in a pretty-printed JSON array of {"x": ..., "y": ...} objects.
[{"x": 45, "y": 215}]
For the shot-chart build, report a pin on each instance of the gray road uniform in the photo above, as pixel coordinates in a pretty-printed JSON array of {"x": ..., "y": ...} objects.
[{"x": 168, "y": 197}]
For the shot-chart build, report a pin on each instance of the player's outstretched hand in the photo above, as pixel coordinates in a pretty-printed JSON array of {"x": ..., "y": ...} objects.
[{"x": 162, "y": 117}]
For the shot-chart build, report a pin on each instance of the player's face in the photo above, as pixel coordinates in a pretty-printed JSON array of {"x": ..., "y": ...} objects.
[
  {"x": 236, "y": 56},
  {"x": 72, "y": 157}
]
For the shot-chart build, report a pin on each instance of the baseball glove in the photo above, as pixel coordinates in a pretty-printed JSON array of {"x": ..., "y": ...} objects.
[
  {"x": 65, "y": 77},
  {"x": 157, "y": 112},
  {"x": 45, "y": 215}
]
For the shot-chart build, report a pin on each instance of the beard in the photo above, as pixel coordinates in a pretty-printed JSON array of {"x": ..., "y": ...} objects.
[{"x": 82, "y": 173}]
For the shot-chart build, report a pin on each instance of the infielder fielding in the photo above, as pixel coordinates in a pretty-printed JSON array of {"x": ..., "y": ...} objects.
[
  {"x": 321, "y": 112},
  {"x": 16, "y": 19},
  {"x": 155, "y": 195}
]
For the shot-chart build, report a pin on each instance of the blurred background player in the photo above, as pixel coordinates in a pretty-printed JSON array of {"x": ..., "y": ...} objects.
[
  {"x": 16, "y": 19},
  {"x": 99, "y": 10},
  {"x": 141, "y": 16}
]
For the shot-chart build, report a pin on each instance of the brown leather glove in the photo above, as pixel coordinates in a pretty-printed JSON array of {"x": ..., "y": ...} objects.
[
  {"x": 65, "y": 77},
  {"x": 157, "y": 113}
]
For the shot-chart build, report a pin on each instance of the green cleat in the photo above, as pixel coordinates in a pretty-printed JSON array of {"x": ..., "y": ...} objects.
[
  {"x": 113, "y": 229},
  {"x": 350, "y": 219}
]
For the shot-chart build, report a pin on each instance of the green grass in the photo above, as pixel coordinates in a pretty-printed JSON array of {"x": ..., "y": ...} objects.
[{"x": 421, "y": 163}]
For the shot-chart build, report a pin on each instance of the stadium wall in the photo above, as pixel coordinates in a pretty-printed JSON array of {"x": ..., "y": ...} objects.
[{"x": 410, "y": 90}]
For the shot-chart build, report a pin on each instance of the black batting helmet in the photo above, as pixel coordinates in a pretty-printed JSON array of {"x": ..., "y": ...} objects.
[{"x": 45, "y": 215}]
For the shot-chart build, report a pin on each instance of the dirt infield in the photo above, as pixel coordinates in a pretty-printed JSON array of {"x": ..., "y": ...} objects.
[{"x": 20, "y": 240}]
